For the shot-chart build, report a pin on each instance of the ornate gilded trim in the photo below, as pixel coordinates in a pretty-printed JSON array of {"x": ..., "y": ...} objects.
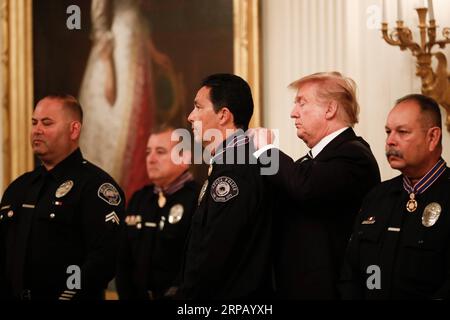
[
  {"x": 247, "y": 50},
  {"x": 17, "y": 81},
  {"x": 16, "y": 62}
]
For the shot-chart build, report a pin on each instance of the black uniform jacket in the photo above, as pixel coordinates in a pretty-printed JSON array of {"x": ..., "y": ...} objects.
[
  {"x": 152, "y": 246},
  {"x": 228, "y": 250},
  {"x": 319, "y": 199},
  {"x": 396, "y": 254},
  {"x": 59, "y": 232}
]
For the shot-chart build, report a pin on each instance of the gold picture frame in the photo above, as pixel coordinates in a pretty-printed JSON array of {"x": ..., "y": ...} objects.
[
  {"x": 16, "y": 18},
  {"x": 247, "y": 50},
  {"x": 17, "y": 81}
]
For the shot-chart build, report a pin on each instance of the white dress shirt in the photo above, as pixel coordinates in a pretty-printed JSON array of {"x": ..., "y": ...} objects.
[{"x": 314, "y": 151}]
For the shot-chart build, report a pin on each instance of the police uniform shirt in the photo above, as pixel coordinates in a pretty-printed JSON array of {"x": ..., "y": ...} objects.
[
  {"x": 228, "y": 251},
  {"x": 59, "y": 223},
  {"x": 152, "y": 245},
  {"x": 397, "y": 254}
]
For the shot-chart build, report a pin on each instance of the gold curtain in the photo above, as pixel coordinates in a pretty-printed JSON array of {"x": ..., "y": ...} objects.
[
  {"x": 17, "y": 99},
  {"x": 247, "y": 50}
]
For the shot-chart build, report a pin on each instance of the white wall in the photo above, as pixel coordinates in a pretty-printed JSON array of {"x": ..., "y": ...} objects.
[
  {"x": 1, "y": 114},
  {"x": 306, "y": 36}
]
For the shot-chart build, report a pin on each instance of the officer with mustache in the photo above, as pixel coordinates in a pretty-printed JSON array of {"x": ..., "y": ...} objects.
[{"x": 400, "y": 245}]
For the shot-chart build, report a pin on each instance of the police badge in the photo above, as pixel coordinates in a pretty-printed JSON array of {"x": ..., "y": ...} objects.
[
  {"x": 176, "y": 213},
  {"x": 431, "y": 214},
  {"x": 64, "y": 189}
]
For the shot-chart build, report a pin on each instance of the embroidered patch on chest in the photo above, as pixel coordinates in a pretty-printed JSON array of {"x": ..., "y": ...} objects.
[{"x": 223, "y": 189}]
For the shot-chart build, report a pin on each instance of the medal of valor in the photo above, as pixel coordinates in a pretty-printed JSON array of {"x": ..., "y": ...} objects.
[
  {"x": 411, "y": 205},
  {"x": 161, "y": 199},
  {"x": 423, "y": 184},
  {"x": 431, "y": 214}
]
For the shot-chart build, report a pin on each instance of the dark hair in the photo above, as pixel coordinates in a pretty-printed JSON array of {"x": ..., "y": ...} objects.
[
  {"x": 161, "y": 128},
  {"x": 427, "y": 105},
  {"x": 233, "y": 92},
  {"x": 166, "y": 127},
  {"x": 69, "y": 102}
]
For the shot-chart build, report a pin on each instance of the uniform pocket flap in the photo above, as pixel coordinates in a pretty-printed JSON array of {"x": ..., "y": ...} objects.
[{"x": 370, "y": 232}]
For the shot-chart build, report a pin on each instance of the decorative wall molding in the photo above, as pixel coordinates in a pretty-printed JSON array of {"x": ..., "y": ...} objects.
[
  {"x": 247, "y": 50},
  {"x": 17, "y": 80}
]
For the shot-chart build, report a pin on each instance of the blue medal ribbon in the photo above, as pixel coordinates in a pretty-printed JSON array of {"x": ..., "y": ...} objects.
[{"x": 423, "y": 184}]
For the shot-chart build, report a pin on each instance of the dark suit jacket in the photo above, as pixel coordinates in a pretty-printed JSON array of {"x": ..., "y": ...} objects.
[{"x": 319, "y": 199}]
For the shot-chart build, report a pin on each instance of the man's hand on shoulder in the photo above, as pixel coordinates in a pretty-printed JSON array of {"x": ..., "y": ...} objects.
[{"x": 261, "y": 137}]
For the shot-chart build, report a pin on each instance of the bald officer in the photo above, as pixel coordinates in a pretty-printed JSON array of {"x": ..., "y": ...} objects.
[{"x": 59, "y": 223}]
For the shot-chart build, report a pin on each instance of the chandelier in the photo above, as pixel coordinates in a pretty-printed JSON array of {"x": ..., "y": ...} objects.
[{"x": 435, "y": 83}]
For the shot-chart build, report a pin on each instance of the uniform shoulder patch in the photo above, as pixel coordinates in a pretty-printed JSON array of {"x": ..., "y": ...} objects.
[
  {"x": 223, "y": 189},
  {"x": 108, "y": 193}
]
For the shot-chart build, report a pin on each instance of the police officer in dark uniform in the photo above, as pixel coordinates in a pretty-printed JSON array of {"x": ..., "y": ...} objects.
[
  {"x": 228, "y": 249},
  {"x": 400, "y": 246},
  {"x": 157, "y": 223},
  {"x": 59, "y": 224}
]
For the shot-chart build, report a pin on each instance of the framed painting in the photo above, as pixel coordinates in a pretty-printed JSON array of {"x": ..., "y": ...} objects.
[{"x": 133, "y": 64}]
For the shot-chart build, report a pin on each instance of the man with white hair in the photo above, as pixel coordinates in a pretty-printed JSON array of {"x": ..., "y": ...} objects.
[{"x": 322, "y": 191}]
